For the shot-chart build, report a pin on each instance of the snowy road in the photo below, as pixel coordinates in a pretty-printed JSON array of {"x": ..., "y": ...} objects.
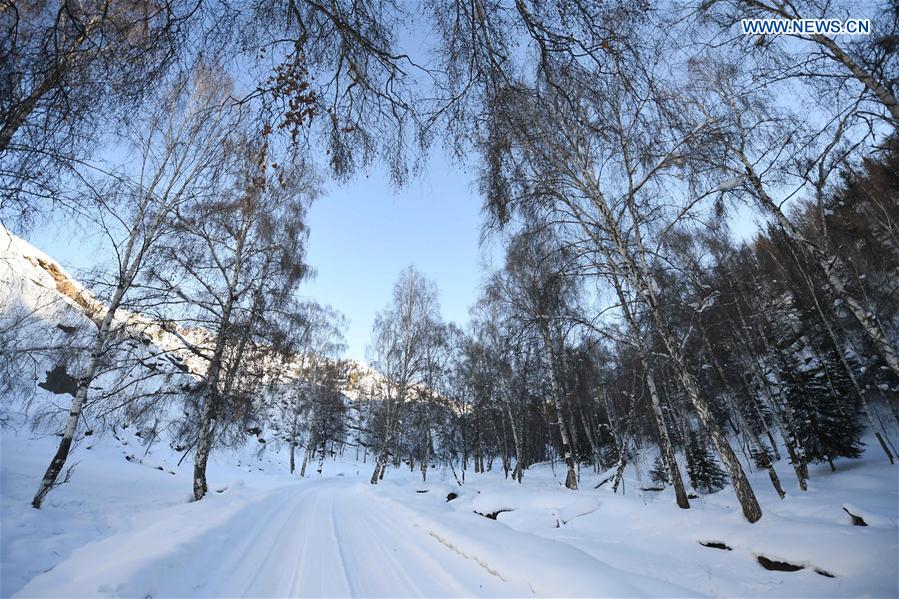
[
  {"x": 329, "y": 538},
  {"x": 341, "y": 537}
]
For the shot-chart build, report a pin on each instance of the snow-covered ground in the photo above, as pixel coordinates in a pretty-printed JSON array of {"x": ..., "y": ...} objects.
[
  {"x": 123, "y": 528},
  {"x": 124, "y": 525}
]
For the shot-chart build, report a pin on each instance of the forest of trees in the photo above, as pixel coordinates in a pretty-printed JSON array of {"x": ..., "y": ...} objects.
[{"x": 615, "y": 145}]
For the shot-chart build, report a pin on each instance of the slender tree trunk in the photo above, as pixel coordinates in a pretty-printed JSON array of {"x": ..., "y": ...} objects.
[
  {"x": 555, "y": 389},
  {"x": 753, "y": 402},
  {"x": 210, "y": 399},
  {"x": 797, "y": 458},
  {"x": 518, "y": 471},
  {"x": 380, "y": 464},
  {"x": 381, "y": 461},
  {"x": 664, "y": 438},
  {"x": 836, "y": 342},
  {"x": 84, "y": 382},
  {"x": 759, "y": 447},
  {"x": 321, "y": 458},
  {"x": 383, "y": 456},
  {"x": 591, "y": 438},
  {"x": 293, "y": 447},
  {"x": 622, "y": 464},
  {"x": 427, "y": 455},
  {"x": 748, "y": 502},
  {"x": 478, "y": 448},
  {"x": 213, "y": 375},
  {"x": 204, "y": 443},
  {"x": 680, "y": 492},
  {"x": 305, "y": 461}
]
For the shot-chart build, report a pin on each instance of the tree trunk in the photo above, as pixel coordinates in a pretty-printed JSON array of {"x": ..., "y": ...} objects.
[
  {"x": 796, "y": 457},
  {"x": 748, "y": 502},
  {"x": 204, "y": 441},
  {"x": 680, "y": 492},
  {"x": 518, "y": 472},
  {"x": 753, "y": 401},
  {"x": 555, "y": 389},
  {"x": 210, "y": 398},
  {"x": 305, "y": 461},
  {"x": 622, "y": 463},
  {"x": 293, "y": 447},
  {"x": 664, "y": 438},
  {"x": 427, "y": 455},
  {"x": 838, "y": 347},
  {"x": 753, "y": 435},
  {"x": 84, "y": 382},
  {"x": 591, "y": 437},
  {"x": 321, "y": 459}
]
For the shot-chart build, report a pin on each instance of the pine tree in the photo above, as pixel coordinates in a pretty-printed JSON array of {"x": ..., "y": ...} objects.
[
  {"x": 659, "y": 473},
  {"x": 702, "y": 468},
  {"x": 827, "y": 424}
]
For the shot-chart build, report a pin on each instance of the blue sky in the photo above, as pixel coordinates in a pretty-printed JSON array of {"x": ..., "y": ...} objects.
[{"x": 364, "y": 232}]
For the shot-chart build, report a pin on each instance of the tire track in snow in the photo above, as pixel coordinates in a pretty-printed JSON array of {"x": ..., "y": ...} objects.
[
  {"x": 404, "y": 521},
  {"x": 341, "y": 554},
  {"x": 366, "y": 541},
  {"x": 274, "y": 524}
]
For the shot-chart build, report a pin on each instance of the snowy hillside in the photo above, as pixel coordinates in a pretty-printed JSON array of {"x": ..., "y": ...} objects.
[
  {"x": 39, "y": 290},
  {"x": 48, "y": 315}
]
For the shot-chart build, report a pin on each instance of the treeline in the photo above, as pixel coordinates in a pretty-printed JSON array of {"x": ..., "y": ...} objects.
[
  {"x": 779, "y": 362},
  {"x": 613, "y": 141}
]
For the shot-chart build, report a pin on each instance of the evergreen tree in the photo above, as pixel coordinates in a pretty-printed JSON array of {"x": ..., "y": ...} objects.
[
  {"x": 826, "y": 420},
  {"x": 659, "y": 473},
  {"x": 702, "y": 468}
]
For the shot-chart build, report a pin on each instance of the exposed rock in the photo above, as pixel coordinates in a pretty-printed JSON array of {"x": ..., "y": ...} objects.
[
  {"x": 493, "y": 515},
  {"x": 715, "y": 545},
  {"x": 770, "y": 564},
  {"x": 856, "y": 520},
  {"x": 59, "y": 381}
]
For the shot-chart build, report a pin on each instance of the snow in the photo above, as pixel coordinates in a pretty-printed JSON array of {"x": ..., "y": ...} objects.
[
  {"x": 730, "y": 184},
  {"x": 120, "y": 528},
  {"x": 125, "y": 526}
]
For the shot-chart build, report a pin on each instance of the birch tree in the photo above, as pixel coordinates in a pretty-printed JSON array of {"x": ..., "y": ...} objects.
[
  {"x": 540, "y": 293},
  {"x": 177, "y": 166},
  {"x": 602, "y": 159},
  {"x": 401, "y": 336},
  {"x": 231, "y": 252},
  {"x": 767, "y": 149}
]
